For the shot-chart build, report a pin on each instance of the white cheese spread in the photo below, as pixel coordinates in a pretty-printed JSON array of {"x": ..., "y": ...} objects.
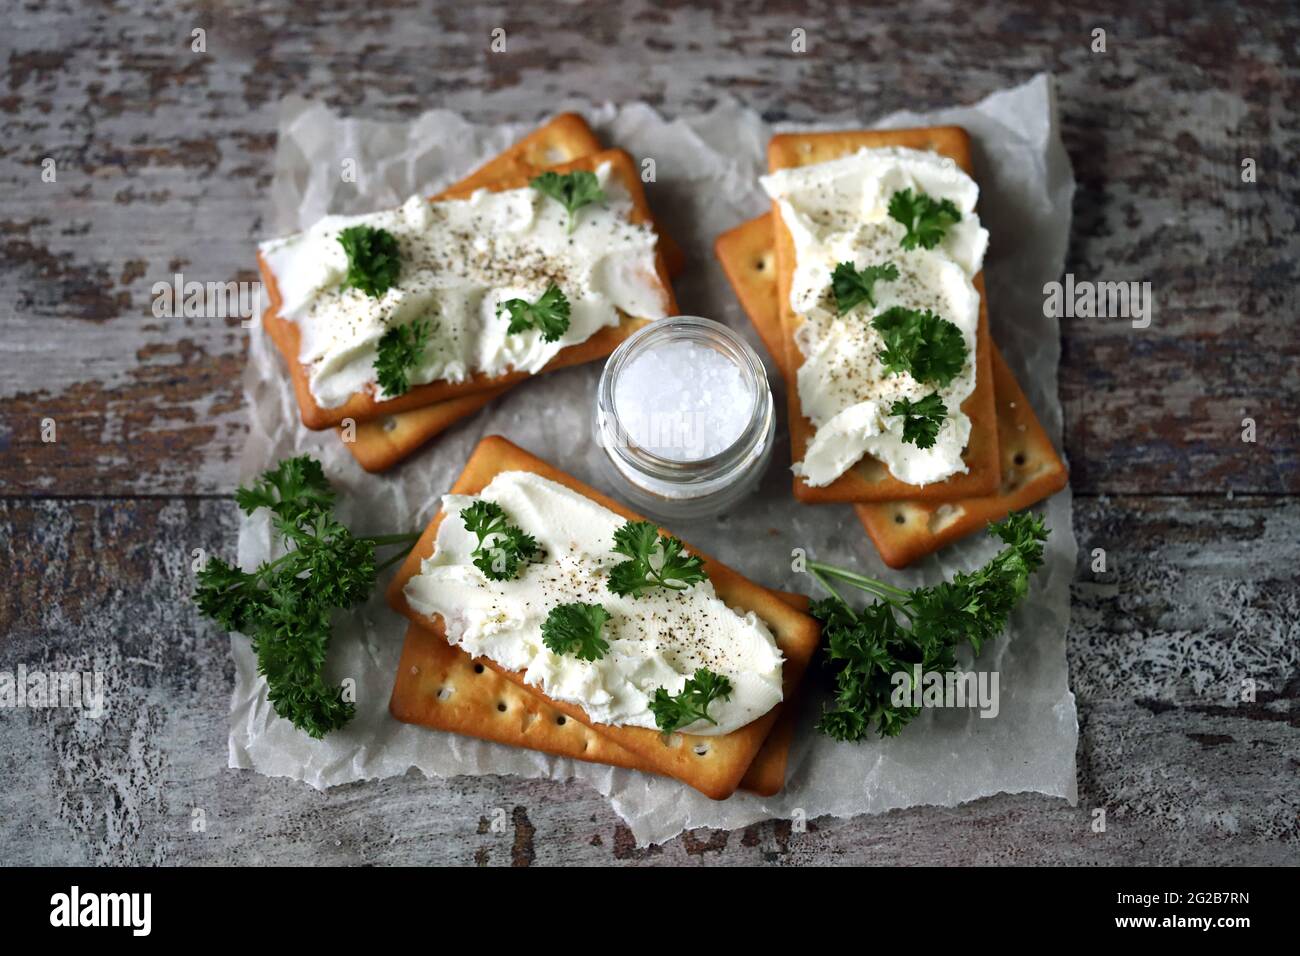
[
  {"x": 656, "y": 640},
  {"x": 837, "y": 211},
  {"x": 460, "y": 258}
]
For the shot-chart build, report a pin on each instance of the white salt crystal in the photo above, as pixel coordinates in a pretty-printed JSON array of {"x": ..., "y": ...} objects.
[{"x": 682, "y": 401}]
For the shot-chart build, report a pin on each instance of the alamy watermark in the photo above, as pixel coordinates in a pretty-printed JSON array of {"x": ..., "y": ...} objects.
[
  {"x": 37, "y": 689},
  {"x": 208, "y": 300},
  {"x": 1103, "y": 300},
  {"x": 964, "y": 689}
]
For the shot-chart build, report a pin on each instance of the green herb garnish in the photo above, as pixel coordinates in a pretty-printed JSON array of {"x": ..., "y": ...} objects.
[
  {"x": 575, "y": 629},
  {"x": 503, "y": 548},
  {"x": 923, "y": 344},
  {"x": 285, "y": 605},
  {"x": 925, "y": 219},
  {"x": 549, "y": 314},
  {"x": 851, "y": 286},
  {"x": 922, "y": 626},
  {"x": 655, "y": 561},
  {"x": 571, "y": 190},
  {"x": 400, "y": 350},
  {"x": 373, "y": 259},
  {"x": 692, "y": 704},
  {"x": 921, "y": 419}
]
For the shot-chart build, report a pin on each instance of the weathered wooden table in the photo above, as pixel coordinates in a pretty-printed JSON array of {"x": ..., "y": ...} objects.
[{"x": 163, "y": 158}]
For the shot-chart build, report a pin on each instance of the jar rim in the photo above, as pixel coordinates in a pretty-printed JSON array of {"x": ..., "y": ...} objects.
[{"x": 690, "y": 328}]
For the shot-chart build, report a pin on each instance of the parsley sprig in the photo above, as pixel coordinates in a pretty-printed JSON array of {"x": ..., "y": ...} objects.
[
  {"x": 549, "y": 314},
  {"x": 503, "y": 548},
  {"x": 922, "y": 626},
  {"x": 654, "y": 560},
  {"x": 571, "y": 190},
  {"x": 925, "y": 219},
  {"x": 923, "y": 344},
  {"x": 284, "y": 606},
  {"x": 922, "y": 419},
  {"x": 851, "y": 285},
  {"x": 673, "y": 711},
  {"x": 374, "y": 262},
  {"x": 400, "y": 349},
  {"x": 575, "y": 629}
]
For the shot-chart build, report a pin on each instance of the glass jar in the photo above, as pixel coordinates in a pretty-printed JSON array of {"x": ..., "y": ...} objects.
[{"x": 684, "y": 414}]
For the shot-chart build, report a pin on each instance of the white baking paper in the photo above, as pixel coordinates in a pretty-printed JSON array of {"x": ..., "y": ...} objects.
[{"x": 707, "y": 168}]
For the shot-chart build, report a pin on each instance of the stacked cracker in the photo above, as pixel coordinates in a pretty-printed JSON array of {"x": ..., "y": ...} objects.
[
  {"x": 440, "y": 686},
  {"x": 379, "y": 434},
  {"x": 1010, "y": 458}
]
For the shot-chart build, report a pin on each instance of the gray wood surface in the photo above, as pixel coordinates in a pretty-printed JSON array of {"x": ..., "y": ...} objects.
[{"x": 164, "y": 159}]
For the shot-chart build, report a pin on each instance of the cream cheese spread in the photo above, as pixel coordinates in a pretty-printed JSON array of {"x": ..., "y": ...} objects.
[
  {"x": 656, "y": 640},
  {"x": 460, "y": 258},
  {"x": 837, "y": 211}
]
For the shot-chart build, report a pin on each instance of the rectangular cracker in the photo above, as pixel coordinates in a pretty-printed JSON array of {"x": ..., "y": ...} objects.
[
  {"x": 441, "y": 687},
  {"x": 869, "y": 479},
  {"x": 1031, "y": 468},
  {"x": 712, "y": 765},
  {"x": 381, "y": 443},
  {"x": 363, "y": 406},
  {"x": 905, "y": 531}
]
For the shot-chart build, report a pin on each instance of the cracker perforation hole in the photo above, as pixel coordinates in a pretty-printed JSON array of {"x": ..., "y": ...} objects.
[
  {"x": 444, "y": 693},
  {"x": 561, "y": 720},
  {"x": 900, "y": 518},
  {"x": 389, "y": 423},
  {"x": 501, "y": 706},
  {"x": 1020, "y": 458},
  {"x": 478, "y": 668},
  {"x": 700, "y": 750}
]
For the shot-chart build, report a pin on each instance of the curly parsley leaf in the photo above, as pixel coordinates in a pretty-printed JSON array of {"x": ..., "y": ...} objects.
[
  {"x": 851, "y": 285},
  {"x": 655, "y": 560},
  {"x": 502, "y": 548},
  {"x": 400, "y": 350},
  {"x": 692, "y": 704},
  {"x": 903, "y": 629},
  {"x": 575, "y": 629},
  {"x": 571, "y": 190},
  {"x": 549, "y": 314},
  {"x": 374, "y": 262},
  {"x": 925, "y": 219},
  {"x": 284, "y": 606},
  {"x": 922, "y": 419},
  {"x": 923, "y": 344},
  {"x": 293, "y": 488}
]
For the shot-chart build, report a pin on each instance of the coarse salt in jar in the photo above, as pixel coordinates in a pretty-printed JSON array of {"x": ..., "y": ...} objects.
[{"x": 684, "y": 413}]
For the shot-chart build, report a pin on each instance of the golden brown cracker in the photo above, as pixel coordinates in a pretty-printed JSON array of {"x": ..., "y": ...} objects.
[
  {"x": 712, "y": 765},
  {"x": 1031, "y": 468},
  {"x": 381, "y": 443},
  {"x": 363, "y": 406},
  {"x": 441, "y": 687},
  {"x": 904, "y": 531},
  {"x": 869, "y": 479}
]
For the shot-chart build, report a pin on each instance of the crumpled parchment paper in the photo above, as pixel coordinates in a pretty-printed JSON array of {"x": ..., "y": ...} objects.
[{"x": 707, "y": 168}]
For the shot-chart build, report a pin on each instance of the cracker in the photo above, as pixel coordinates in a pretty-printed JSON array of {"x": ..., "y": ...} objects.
[
  {"x": 381, "y": 443},
  {"x": 363, "y": 406},
  {"x": 712, "y": 765},
  {"x": 905, "y": 531},
  {"x": 869, "y": 479},
  {"x": 1031, "y": 468},
  {"x": 441, "y": 687}
]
